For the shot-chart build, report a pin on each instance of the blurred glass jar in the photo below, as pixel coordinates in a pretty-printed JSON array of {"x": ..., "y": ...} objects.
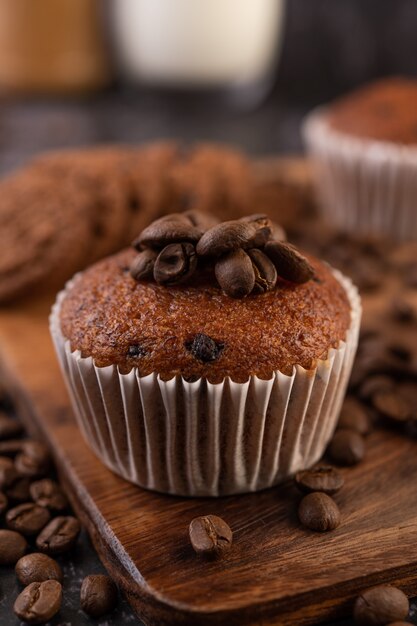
[
  {"x": 198, "y": 43},
  {"x": 51, "y": 46}
]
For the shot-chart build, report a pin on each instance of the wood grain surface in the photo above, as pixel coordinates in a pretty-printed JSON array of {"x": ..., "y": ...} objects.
[{"x": 276, "y": 573}]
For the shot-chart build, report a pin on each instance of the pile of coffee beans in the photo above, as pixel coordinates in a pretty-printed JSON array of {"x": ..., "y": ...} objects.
[
  {"x": 245, "y": 256},
  {"x": 36, "y": 526}
]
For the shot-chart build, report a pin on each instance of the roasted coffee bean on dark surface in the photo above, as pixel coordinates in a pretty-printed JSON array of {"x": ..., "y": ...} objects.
[
  {"x": 265, "y": 272},
  {"x": 318, "y": 511},
  {"x": 175, "y": 264},
  {"x": 210, "y": 535},
  {"x": 9, "y": 427},
  {"x": 59, "y": 535},
  {"x": 98, "y": 595},
  {"x": 167, "y": 230},
  {"x": 8, "y": 472},
  {"x": 39, "y": 602},
  {"x": 36, "y": 568},
  {"x": 142, "y": 266},
  {"x": 235, "y": 274},
  {"x": 291, "y": 264},
  {"x": 28, "y": 519},
  {"x": 354, "y": 416},
  {"x": 321, "y": 478},
  {"x": 380, "y": 605},
  {"x": 204, "y": 348},
  {"x": 392, "y": 405},
  {"x": 232, "y": 235},
  {"x": 12, "y": 547},
  {"x": 347, "y": 447},
  {"x": 3, "y": 503},
  {"x": 49, "y": 494},
  {"x": 34, "y": 460}
]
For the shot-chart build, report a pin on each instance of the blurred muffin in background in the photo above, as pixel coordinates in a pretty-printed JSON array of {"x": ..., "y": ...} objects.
[{"x": 364, "y": 147}]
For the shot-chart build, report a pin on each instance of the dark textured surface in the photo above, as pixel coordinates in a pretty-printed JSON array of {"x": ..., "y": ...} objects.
[{"x": 329, "y": 47}]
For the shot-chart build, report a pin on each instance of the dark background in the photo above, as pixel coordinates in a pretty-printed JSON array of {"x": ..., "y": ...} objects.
[{"x": 329, "y": 47}]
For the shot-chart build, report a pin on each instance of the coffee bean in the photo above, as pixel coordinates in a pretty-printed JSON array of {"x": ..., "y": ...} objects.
[
  {"x": 233, "y": 235},
  {"x": 18, "y": 491},
  {"x": 317, "y": 511},
  {"x": 4, "y": 503},
  {"x": 9, "y": 427},
  {"x": 98, "y": 595},
  {"x": 142, "y": 266},
  {"x": 34, "y": 460},
  {"x": 36, "y": 568},
  {"x": 265, "y": 272},
  {"x": 353, "y": 416},
  {"x": 59, "y": 535},
  {"x": 321, "y": 478},
  {"x": 8, "y": 472},
  {"x": 210, "y": 535},
  {"x": 39, "y": 602},
  {"x": 290, "y": 264},
  {"x": 175, "y": 264},
  {"x": 12, "y": 547},
  {"x": 380, "y": 605},
  {"x": 48, "y": 493},
  {"x": 402, "y": 310},
  {"x": 11, "y": 447},
  {"x": 373, "y": 384},
  {"x": 166, "y": 230},
  {"x": 28, "y": 518},
  {"x": 235, "y": 274},
  {"x": 347, "y": 447},
  {"x": 204, "y": 348},
  {"x": 392, "y": 405},
  {"x": 202, "y": 220},
  {"x": 277, "y": 232}
]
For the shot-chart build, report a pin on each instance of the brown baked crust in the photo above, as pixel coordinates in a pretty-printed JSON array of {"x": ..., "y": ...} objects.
[
  {"x": 106, "y": 311},
  {"x": 385, "y": 110}
]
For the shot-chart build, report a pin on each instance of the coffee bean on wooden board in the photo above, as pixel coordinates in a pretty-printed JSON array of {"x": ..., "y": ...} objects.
[
  {"x": 8, "y": 472},
  {"x": 9, "y": 427},
  {"x": 34, "y": 460},
  {"x": 59, "y": 535},
  {"x": 235, "y": 274},
  {"x": 392, "y": 405},
  {"x": 347, "y": 447},
  {"x": 39, "y": 602},
  {"x": 289, "y": 262},
  {"x": 354, "y": 416},
  {"x": 4, "y": 503},
  {"x": 318, "y": 511},
  {"x": 210, "y": 535},
  {"x": 28, "y": 519},
  {"x": 175, "y": 264},
  {"x": 36, "y": 568},
  {"x": 12, "y": 547},
  {"x": 380, "y": 605},
  {"x": 98, "y": 595},
  {"x": 321, "y": 478},
  {"x": 48, "y": 493}
]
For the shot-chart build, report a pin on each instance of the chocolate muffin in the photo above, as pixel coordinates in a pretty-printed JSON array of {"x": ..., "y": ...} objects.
[
  {"x": 212, "y": 361},
  {"x": 364, "y": 147}
]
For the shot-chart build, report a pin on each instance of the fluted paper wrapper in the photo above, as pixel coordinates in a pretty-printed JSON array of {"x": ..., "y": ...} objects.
[
  {"x": 203, "y": 439},
  {"x": 364, "y": 186}
]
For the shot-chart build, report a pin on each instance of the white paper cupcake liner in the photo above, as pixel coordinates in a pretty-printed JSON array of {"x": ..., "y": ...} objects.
[
  {"x": 203, "y": 439},
  {"x": 364, "y": 186}
]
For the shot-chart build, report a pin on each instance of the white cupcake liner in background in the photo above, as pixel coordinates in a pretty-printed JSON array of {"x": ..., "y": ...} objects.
[
  {"x": 203, "y": 439},
  {"x": 364, "y": 186}
]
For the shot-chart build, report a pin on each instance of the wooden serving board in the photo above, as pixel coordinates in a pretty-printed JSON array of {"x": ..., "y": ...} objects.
[{"x": 276, "y": 573}]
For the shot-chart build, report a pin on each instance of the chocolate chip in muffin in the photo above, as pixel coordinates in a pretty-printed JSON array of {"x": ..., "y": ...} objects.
[
  {"x": 135, "y": 351},
  {"x": 204, "y": 348}
]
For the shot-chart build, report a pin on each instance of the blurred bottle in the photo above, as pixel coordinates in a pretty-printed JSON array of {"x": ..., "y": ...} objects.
[
  {"x": 198, "y": 44},
  {"x": 51, "y": 46}
]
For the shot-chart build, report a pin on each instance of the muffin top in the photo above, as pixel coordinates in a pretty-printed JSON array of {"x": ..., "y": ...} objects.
[
  {"x": 385, "y": 110},
  {"x": 211, "y": 324}
]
